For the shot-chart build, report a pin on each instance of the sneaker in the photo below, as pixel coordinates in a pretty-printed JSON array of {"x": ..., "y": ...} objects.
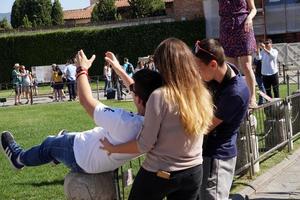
[
  {"x": 62, "y": 132},
  {"x": 11, "y": 149}
]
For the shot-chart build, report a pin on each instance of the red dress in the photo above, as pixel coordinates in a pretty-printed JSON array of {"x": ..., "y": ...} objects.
[{"x": 235, "y": 41}]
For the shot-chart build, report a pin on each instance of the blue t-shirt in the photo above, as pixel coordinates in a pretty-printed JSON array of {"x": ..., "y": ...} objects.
[{"x": 231, "y": 99}]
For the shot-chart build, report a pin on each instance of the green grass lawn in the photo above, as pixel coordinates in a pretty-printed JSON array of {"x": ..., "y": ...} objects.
[{"x": 30, "y": 125}]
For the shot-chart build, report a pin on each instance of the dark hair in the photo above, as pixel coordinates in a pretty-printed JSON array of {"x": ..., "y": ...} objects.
[
  {"x": 268, "y": 41},
  {"x": 210, "y": 49},
  {"x": 146, "y": 81}
]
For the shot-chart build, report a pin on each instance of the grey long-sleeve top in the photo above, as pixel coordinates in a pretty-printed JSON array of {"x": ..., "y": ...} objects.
[{"x": 164, "y": 140}]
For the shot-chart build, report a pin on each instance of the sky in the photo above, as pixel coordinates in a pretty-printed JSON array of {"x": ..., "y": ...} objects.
[{"x": 5, "y": 5}]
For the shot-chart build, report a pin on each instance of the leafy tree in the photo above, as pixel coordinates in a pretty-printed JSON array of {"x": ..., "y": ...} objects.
[
  {"x": 38, "y": 12},
  {"x": 104, "y": 10},
  {"x": 57, "y": 13},
  {"x": 4, "y": 24},
  {"x": 146, "y": 8},
  {"x": 16, "y": 18},
  {"x": 26, "y": 23}
]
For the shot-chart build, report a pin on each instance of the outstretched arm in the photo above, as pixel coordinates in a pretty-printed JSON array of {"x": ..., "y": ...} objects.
[
  {"x": 84, "y": 89},
  {"x": 128, "y": 147}
]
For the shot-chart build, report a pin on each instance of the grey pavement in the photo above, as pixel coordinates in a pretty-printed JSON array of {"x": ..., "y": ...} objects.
[
  {"x": 43, "y": 99},
  {"x": 280, "y": 182}
]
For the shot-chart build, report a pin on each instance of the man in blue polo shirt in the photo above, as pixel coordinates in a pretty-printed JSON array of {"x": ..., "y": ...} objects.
[{"x": 231, "y": 98}]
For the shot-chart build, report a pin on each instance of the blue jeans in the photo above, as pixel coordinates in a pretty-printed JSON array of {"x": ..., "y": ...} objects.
[
  {"x": 59, "y": 148},
  {"x": 261, "y": 87}
]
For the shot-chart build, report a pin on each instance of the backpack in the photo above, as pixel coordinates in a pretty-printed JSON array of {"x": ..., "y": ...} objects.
[{"x": 129, "y": 69}]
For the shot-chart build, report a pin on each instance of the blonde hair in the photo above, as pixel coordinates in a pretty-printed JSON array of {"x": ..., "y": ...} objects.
[{"x": 183, "y": 86}]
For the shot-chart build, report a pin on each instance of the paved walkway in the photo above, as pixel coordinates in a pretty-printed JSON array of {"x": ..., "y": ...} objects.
[
  {"x": 280, "y": 182},
  {"x": 45, "y": 99}
]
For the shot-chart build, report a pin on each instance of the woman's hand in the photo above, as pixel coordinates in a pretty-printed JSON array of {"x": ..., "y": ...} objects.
[
  {"x": 82, "y": 61},
  {"x": 113, "y": 61},
  {"x": 106, "y": 145},
  {"x": 248, "y": 26}
]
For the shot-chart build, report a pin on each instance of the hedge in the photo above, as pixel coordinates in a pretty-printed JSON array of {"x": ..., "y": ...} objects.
[{"x": 56, "y": 47}]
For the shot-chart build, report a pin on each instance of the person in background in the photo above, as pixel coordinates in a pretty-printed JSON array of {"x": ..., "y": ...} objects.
[
  {"x": 107, "y": 77},
  {"x": 231, "y": 99},
  {"x": 176, "y": 118},
  {"x": 257, "y": 72},
  {"x": 269, "y": 68},
  {"x": 117, "y": 83},
  {"x": 140, "y": 65},
  {"x": 237, "y": 37},
  {"x": 35, "y": 85},
  {"x": 17, "y": 83},
  {"x": 57, "y": 82},
  {"x": 70, "y": 72},
  {"x": 26, "y": 82},
  {"x": 128, "y": 67}
]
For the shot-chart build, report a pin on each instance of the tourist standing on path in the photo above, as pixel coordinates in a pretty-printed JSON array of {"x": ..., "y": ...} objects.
[
  {"x": 257, "y": 72},
  {"x": 57, "y": 82},
  {"x": 237, "y": 37},
  {"x": 17, "y": 83},
  {"x": 269, "y": 68},
  {"x": 70, "y": 73},
  {"x": 107, "y": 77},
  {"x": 128, "y": 67},
  {"x": 26, "y": 82},
  {"x": 177, "y": 115},
  {"x": 231, "y": 98}
]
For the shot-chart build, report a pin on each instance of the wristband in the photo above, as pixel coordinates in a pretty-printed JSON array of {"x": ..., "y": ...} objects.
[
  {"x": 81, "y": 69},
  {"x": 79, "y": 74}
]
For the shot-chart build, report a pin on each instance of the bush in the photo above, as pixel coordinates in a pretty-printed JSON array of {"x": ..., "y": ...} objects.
[
  {"x": 146, "y": 8},
  {"x": 56, "y": 47}
]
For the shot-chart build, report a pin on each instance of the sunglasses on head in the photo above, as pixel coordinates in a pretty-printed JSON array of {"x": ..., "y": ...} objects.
[{"x": 198, "y": 49}]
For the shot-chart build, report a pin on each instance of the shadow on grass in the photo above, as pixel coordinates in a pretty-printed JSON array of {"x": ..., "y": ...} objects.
[{"x": 43, "y": 183}]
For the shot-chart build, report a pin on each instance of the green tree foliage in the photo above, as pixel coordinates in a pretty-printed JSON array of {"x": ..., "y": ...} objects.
[
  {"x": 57, "y": 13},
  {"x": 146, "y": 8},
  {"x": 104, "y": 10},
  {"x": 26, "y": 23},
  {"x": 38, "y": 12},
  {"x": 16, "y": 18},
  {"x": 4, "y": 24}
]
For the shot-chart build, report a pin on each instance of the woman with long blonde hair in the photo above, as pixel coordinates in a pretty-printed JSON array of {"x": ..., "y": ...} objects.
[{"x": 176, "y": 118}]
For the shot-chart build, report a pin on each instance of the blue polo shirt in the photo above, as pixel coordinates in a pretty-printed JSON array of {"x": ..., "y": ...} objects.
[{"x": 231, "y": 99}]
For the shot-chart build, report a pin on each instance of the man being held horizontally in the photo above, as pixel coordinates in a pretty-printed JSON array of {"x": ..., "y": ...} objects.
[
  {"x": 231, "y": 98},
  {"x": 80, "y": 150}
]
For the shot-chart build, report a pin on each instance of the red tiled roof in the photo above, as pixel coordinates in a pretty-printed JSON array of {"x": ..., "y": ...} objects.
[
  {"x": 122, "y": 3},
  {"x": 125, "y": 3},
  {"x": 85, "y": 13}
]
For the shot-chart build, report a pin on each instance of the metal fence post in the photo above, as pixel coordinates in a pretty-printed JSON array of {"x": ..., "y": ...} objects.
[
  {"x": 288, "y": 84},
  {"x": 289, "y": 127},
  {"x": 249, "y": 146},
  {"x": 284, "y": 76},
  {"x": 98, "y": 96},
  {"x": 298, "y": 79}
]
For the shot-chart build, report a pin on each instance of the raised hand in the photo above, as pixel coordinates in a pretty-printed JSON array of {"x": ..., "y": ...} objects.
[
  {"x": 82, "y": 61},
  {"x": 113, "y": 61}
]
